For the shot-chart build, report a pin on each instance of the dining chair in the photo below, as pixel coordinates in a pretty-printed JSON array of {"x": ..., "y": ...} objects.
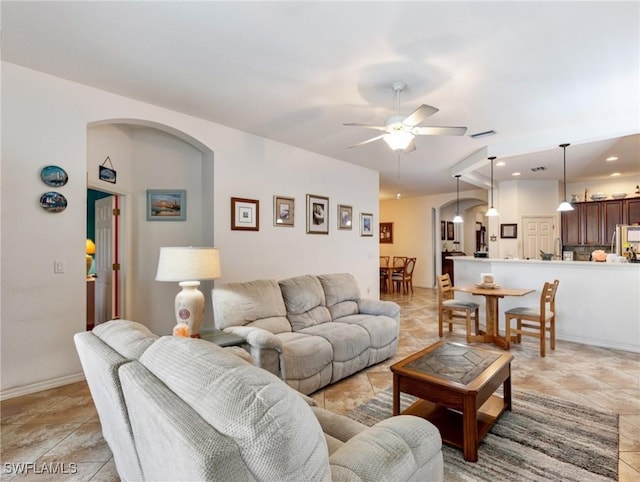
[
  {"x": 535, "y": 322},
  {"x": 453, "y": 311},
  {"x": 384, "y": 273},
  {"x": 404, "y": 278}
]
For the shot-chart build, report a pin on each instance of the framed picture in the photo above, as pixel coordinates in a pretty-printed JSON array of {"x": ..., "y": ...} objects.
[
  {"x": 386, "y": 233},
  {"x": 166, "y": 205},
  {"x": 443, "y": 230},
  {"x": 366, "y": 224},
  {"x": 245, "y": 214},
  {"x": 450, "y": 232},
  {"x": 345, "y": 216},
  {"x": 509, "y": 231},
  {"x": 283, "y": 211},
  {"x": 317, "y": 214}
]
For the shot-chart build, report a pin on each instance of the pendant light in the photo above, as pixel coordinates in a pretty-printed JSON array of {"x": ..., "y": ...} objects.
[
  {"x": 564, "y": 205},
  {"x": 492, "y": 211},
  {"x": 457, "y": 218}
]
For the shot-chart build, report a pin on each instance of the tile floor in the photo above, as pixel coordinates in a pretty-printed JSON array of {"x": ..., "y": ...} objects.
[{"x": 61, "y": 426}]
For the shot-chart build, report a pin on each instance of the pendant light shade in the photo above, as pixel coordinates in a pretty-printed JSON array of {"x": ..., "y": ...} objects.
[
  {"x": 492, "y": 211},
  {"x": 564, "y": 205},
  {"x": 457, "y": 218}
]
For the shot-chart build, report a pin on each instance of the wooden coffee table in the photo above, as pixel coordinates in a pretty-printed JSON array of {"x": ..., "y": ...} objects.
[{"x": 455, "y": 384}]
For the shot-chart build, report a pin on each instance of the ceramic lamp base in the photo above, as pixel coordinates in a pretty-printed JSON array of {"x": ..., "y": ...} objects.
[{"x": 189, "y": 306}]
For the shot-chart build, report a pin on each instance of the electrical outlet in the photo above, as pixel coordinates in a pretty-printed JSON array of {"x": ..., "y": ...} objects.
[{"x": 58, "y": 266}]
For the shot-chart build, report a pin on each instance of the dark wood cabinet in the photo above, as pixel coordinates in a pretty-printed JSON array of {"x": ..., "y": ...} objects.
[
  {"x": 447, "y": 264},
  {"x": 631, "y": 210},
  {"x": 612, "y": 213},
  {"x": 593, "y": 223}
]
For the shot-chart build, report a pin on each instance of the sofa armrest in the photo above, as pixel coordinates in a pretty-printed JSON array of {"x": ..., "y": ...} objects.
[
  {"x": 377, "y": 307},
  {"x": 403, "y": 447},
  {"x": 262, "y": 346}
]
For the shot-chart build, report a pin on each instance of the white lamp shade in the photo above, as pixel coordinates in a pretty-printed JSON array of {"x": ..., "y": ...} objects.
[
  {"x": 458, "y": 219},
  {"x": 565, "y": 206},
  {"x": 188, "y": 264},
  {"x": 399, "y": 140},
  {"x": 492, "y": 212}
]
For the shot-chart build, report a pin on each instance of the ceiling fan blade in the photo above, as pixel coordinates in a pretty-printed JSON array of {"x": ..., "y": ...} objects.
[
  {"x": 438, "y": 131},
  {"x": 410, "y": 148},
  {"x": 355, "y": 124},
  {"x": 420, "y": 114},
  {"x": 367, "y": 141}
]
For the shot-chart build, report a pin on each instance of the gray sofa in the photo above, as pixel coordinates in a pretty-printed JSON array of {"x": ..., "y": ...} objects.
[
  {"x": 175, "y": 409},
  {"x": 309, "y": 330}
]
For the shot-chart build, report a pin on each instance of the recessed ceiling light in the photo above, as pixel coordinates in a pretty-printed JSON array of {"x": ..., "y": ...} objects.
[
  {"x": 612, "y": 158},
  {"x": 515, "y": 174},
  {"x": 500, "y": 163},
  {"x": 616, "y": 174},
  {"x": 398, "y": 196}
]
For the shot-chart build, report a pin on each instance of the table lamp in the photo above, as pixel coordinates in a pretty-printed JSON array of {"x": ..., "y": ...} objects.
[
  {"x": 90, "y": 248},
  {"x": 189, "y": 266}
]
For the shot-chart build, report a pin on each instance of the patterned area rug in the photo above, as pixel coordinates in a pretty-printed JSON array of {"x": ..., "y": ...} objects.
[{"x": 542, "y": 439}]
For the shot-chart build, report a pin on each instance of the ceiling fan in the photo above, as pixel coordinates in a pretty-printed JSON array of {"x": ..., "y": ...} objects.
[{"x": 399, "y": 131}]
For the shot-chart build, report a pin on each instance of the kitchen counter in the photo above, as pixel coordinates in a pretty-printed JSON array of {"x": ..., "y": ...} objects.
[{"x": 597, "y": 303}]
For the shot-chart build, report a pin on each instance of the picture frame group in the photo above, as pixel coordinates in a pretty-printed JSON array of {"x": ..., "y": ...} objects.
[{"x": 245, "y": 215}]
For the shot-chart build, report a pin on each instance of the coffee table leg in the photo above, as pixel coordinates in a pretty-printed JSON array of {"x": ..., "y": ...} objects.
[
  {"x": 470, "y": 430},
  {"x": 396, "y": 394},
  {"x": 506, "y": 387}
]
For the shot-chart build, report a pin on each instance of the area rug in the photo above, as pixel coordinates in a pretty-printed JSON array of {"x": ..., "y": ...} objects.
[{"x": 543, "y": 438}]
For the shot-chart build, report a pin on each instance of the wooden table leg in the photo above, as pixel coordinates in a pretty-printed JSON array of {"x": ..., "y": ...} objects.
[
  {"x": 470, "y": 429},
  {"x": 396, "y": 394},
  {"x": 506, "y": 387}
]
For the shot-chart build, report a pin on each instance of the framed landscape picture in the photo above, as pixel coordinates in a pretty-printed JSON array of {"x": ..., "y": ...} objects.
[
  {"x": 166, "y": 205},
  {"x": 366, "y": 224},
  {"x": 345, "y": 216},
  {"x": 317, "y": 214},
  {"x": 283, "y": 211},
  {"x": 245, "y": 214}
]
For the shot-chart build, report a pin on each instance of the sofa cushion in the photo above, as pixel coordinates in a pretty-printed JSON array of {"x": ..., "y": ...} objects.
[
  {"x": 249, "y": 405},
  {"x": 341, "y": 293},
  {"x": 304, "y": 301},
  {"x": 305, "y": 355},
  {"x": 129, "y": 338},
  {"x": 253, "y": 303}
]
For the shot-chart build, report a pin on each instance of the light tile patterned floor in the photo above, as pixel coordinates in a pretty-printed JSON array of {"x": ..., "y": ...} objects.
[{"x": 61, "y": 425}]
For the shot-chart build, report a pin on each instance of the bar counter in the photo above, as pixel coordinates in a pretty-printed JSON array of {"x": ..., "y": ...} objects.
[{"x": 597, "y": 303}]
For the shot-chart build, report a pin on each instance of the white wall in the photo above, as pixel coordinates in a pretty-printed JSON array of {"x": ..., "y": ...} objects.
[
  {"x": 45, "y": 121},
  {"x": 414, "y": 234}
]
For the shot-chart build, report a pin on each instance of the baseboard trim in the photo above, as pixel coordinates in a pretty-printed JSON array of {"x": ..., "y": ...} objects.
[{"x": 40, "y": 386}]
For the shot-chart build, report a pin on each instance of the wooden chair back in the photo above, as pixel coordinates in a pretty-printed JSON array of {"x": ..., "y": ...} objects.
[{"x": 384, "y": 260}]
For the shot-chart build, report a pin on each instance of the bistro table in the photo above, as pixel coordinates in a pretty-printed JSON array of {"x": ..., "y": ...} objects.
[{"x": 492, "y": 295}]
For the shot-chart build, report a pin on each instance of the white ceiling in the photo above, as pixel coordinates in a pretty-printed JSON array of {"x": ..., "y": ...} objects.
[{"x": 538, "y": 73}]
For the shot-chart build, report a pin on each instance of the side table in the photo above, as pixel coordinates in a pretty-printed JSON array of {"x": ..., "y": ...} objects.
[{"x": 221, "y": 338}]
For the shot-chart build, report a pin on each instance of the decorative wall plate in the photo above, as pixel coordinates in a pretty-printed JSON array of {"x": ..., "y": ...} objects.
[
  {"x": 53, "y": 202},
  {"x": 54, "y": 176}
]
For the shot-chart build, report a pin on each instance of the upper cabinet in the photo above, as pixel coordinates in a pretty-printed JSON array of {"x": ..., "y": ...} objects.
[{"x": 593, "y": 223}]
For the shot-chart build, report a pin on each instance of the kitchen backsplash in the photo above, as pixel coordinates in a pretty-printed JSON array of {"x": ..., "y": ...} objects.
[{"x": 583, "y": 253}]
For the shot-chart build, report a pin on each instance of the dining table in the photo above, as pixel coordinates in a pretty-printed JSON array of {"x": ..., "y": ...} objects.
[
  {"x": 389, "y": 273},
  {"x": 492, "y": 294}
]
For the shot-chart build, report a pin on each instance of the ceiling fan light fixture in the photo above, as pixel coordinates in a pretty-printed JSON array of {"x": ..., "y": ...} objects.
[
  {"x": 564, "y": 205},
  {"x": 398, "y": 140}
]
